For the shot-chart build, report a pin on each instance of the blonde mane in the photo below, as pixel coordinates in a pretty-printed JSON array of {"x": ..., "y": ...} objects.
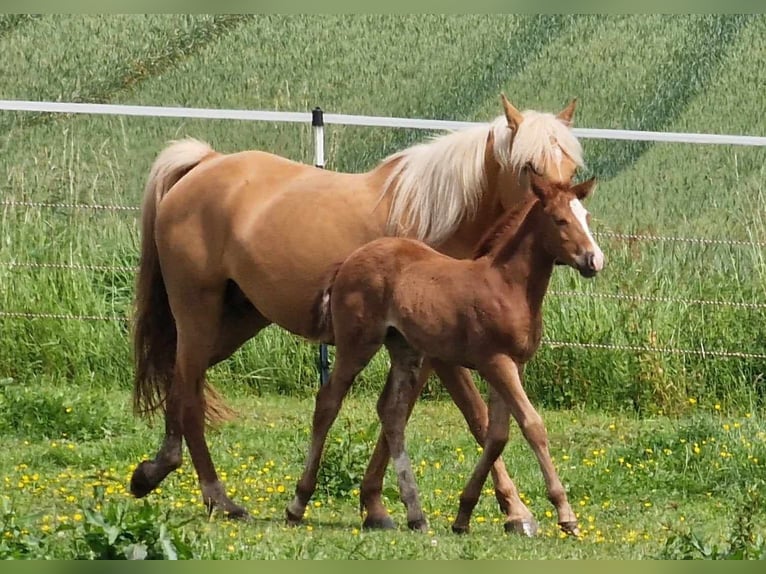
[{"x": 438, "y": 183}]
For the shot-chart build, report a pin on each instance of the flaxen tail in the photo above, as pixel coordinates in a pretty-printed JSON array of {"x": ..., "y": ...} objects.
[{"x": 154, "y": 329}]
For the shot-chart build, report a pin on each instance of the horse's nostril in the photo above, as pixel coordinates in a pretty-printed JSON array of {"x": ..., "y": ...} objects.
[{"x": 590, "y": 260}]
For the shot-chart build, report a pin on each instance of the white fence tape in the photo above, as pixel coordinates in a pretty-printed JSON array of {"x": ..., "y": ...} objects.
[{"x": 352, "y": 120}]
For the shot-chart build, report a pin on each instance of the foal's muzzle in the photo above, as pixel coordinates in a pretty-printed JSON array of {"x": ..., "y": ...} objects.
[{"x": 590, "y": 263}]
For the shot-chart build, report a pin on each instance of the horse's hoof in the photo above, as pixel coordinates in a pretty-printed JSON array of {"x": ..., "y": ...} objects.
[
  {"x": 459, "y": 529},
  {"x": 570, "y": 527},
  {"x": 140, "y": 485},
  {"x": 372, "y": 523},
  {"x": 419, "y": 525},
  {"x": 525, "y": 527}
]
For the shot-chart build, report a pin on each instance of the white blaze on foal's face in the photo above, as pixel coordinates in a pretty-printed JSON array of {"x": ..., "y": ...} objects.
[{"x": 581, "y": 215}]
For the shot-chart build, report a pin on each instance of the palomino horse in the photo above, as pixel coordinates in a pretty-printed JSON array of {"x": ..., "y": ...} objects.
[
  {"x": 233, "y": 243},
  {"x": 484, "y": 314}
]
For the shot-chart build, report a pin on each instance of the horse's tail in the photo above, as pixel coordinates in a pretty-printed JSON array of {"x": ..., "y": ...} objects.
[
  {"x": 154, "y": 329},
  {"x": 322, "y": 309}
]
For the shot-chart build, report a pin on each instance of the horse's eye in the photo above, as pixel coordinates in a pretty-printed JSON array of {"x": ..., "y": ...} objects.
[{"x": 561, "y": 222}]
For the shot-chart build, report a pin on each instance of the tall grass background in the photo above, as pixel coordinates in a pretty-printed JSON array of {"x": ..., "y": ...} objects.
[{"x": 691, "y": 73}]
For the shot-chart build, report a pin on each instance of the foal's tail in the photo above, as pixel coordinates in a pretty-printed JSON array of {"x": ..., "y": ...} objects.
[
  {"x": 154, "y": 329},
  {"x": 322, "y": 310}
]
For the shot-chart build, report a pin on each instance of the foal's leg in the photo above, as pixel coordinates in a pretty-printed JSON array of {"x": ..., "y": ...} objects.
[
  {"x": 497, "y": 437},
  {"x": 466, "y": 396},
  {"x": 394, "y": 409},
  {"x": 504, "y": 374},
  {"x": 349, "y": 361},
  {"x": 371, "y": 490}
]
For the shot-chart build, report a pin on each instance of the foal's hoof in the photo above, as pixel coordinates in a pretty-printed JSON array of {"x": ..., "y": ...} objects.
[
  {"x": 458, "y": 529},
  {"x": 373, "y": 523},
  {"x": 419, "y": 525},
  {"x": 291, "y": 518},
  {"x": 525, "y": 527},
  {"x": 570, "y": 527},
  {"x": 140, "y": 484}
]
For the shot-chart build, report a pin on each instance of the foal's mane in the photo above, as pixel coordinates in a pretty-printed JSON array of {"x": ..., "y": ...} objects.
[
  {"x": 508, "y": 225},
  {"x": 436, "y": 184}
]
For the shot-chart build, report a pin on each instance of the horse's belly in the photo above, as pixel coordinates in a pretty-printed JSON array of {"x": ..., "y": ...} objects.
[{"x": 283, "y": 258}]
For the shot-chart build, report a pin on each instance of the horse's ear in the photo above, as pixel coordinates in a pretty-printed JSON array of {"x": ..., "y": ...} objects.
[
  {"x": 512, "y": 115},
  {"x": 567, "y": 113},
  {"x": 584, "y": 189}
]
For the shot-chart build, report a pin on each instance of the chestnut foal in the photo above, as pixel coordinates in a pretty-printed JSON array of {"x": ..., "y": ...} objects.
[{"x": 484, "y": 314}]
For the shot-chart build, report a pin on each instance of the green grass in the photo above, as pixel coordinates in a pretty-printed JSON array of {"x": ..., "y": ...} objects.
[
  {"x": 633, "y": 482},
  {"x": 686, "y": 73}
]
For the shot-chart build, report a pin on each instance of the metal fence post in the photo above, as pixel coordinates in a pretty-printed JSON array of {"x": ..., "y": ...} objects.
[{"x": 317, "y": 123}]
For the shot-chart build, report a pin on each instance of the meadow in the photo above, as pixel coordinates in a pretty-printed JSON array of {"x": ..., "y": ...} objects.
[
  {"x": 652, "y": 487},
  {"x": 668, "y": 73}
]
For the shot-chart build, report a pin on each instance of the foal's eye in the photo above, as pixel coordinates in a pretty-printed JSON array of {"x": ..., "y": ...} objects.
[{"x": 561, "y": 222}]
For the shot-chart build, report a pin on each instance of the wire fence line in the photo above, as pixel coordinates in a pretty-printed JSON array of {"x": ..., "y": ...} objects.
[
  {"x": 45, "y": 205},
  {"x": 625, "y": 237},
  {"x": 658, "y": 299},
  {"x": 717, "y": 354},
  {"x": 628, "y": 297},
  {"x": 68, "y": 266},
  {"x": 705, "y": 353},
  {"x": 60, "y": 316}
]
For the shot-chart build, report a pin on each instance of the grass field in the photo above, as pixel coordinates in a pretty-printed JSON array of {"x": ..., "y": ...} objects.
[
  {"x": 634, "y": 483},
  {"x": 700, "y": 74}
]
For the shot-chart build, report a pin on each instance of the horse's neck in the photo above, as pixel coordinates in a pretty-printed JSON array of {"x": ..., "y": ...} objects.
[
  {"x": 505, "y": 192},
  {"x": 513, "y": 186},
  {"x": 463, "y": 242}
]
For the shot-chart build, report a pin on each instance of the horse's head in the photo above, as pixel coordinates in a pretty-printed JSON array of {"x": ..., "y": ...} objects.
[
  {"x": 540, "y": 144},
  {"x": 565, "y": 227}
]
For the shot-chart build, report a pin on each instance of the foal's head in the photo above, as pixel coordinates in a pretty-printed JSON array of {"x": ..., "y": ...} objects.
[{"x": 566, "y": 234}]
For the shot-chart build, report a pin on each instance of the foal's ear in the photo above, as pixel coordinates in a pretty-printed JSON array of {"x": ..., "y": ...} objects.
[
  {"x": 584, "y": 189},
  {"x": 567, "y": 113},
  {"x": 512, "y": 115}
]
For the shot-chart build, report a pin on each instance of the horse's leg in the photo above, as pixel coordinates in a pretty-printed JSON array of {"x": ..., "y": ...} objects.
[
  {"x": 371, "y": 490},
  {"x": 349, "y": 361},
  {"x": 150, "y": 473},
  {"x": 466, "y": 396},
  {"x": 198, "y": 314},
  {"x": 497, "y": 437},
  {"x": 505, "y": 371},
  {"x": 394, "y": 409},
  {"x": 239, "y": 323}
]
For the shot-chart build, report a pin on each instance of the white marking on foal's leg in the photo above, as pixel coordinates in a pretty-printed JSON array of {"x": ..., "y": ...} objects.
[
  {"x": 582, "y": 217},
  {"x": 408, "y": 491},
  {"x": 401, "y": 463}
]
